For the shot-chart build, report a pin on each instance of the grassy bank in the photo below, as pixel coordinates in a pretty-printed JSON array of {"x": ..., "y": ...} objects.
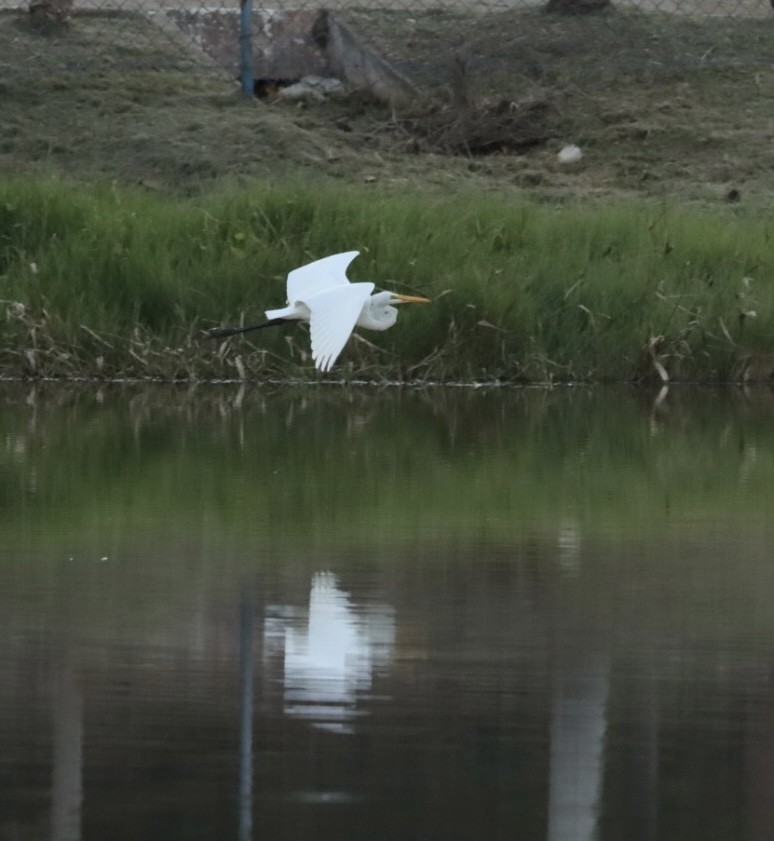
[
  {"x": 662, "y": 106},
  {"x": 107, "y": 281}
]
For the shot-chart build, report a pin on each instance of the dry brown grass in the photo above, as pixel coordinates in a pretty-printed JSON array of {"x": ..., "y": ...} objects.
[{"x": 661, "y": 107}]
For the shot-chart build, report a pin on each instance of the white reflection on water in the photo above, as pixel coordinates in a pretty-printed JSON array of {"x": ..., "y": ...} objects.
[
  {"x": 330, "y": 658},
  {"x": 578, "y": 730},
  {"x": 569, "y": 544},
  {"x": 579, "y": 700}
]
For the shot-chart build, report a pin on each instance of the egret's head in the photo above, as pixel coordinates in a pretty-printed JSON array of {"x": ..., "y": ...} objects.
[{"x": 381, "y": 314}]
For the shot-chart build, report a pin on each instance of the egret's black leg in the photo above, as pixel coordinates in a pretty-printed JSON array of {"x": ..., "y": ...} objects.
[{"x": 218, "y": 332}]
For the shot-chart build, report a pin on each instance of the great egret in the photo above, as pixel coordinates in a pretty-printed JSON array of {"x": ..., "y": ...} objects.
[{"x": 321, "y": 294}]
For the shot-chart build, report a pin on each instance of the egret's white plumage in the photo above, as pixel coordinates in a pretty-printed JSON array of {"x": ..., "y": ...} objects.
[
  {"x": 321, "y": 294},
  {"x": 320, "y": 275}
]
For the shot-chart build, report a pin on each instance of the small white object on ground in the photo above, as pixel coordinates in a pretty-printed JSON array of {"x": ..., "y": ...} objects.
[
  {"x": 569, "y": 154},
  {"x": 312, "y": 87}
]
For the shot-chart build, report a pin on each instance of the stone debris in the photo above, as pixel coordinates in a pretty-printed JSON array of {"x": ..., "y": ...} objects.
[{"x": 312, "y": 87}]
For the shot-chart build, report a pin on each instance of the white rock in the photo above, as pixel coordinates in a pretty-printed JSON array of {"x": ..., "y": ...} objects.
[
  {"x": 312, "y": 87},
  {"x": 569, "y": 154}
]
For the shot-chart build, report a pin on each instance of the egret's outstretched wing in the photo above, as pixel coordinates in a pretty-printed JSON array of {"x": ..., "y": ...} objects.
[
  {"x": 319, "y": 276},
  {"x": 333, "y": 314}
]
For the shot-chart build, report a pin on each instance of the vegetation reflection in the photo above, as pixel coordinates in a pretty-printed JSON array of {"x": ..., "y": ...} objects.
[{"x": 378, "y": 467}]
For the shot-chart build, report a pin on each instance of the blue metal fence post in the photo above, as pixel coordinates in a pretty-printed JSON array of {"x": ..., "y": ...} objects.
[{"x": 246, "y": 47}]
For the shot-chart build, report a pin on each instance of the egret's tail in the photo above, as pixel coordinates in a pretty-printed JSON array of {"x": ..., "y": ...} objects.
[{"x": 219, "y": 332}]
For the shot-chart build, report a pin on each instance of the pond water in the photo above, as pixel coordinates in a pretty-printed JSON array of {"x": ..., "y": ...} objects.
[{"x": 331, "y": 614}]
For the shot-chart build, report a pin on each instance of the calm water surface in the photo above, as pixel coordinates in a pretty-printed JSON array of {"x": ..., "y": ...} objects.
[{"x": 360, "y": 615}]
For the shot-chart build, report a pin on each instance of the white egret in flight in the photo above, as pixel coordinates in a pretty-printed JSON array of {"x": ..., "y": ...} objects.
[{"x": 321, "y": 294}]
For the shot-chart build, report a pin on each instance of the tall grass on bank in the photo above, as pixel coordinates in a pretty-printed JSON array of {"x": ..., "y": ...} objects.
[{"x": 101, "y": 281}]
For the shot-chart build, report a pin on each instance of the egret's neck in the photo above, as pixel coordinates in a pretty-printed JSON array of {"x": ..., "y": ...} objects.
[{"x": 377, "y": 316}]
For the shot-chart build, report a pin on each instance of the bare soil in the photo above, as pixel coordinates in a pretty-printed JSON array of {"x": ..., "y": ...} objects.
[{"x": 661, "y": 107}]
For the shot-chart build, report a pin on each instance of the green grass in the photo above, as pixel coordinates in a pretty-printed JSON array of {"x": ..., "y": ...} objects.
[{"x": 114, "y": 281}]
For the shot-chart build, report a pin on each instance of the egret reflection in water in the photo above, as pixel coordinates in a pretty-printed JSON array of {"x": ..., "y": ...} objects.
[{"x": 330, "y": 653}]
